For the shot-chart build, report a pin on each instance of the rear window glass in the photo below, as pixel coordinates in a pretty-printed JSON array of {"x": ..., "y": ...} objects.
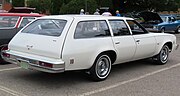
[
  {"x": 49, "y": 27},
  {"x": 8, "y": 21}
]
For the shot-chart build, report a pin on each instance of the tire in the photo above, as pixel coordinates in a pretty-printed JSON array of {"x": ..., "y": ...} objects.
[
  {"x": 162, "y": 30},
  {"x": 163, "y": 56},
  {"x": 177, "y": 30},
  {"x": 101, "y": 68},
  {"x": 1, "y": 60}
]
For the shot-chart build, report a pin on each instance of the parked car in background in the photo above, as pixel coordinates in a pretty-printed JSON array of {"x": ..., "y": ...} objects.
[
  {"x": 160, "y": 23},
  {"x": 11, "y": 23},
  {"x": 93, "y": 43}
]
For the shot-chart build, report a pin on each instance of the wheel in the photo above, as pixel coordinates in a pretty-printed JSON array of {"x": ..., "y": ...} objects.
[
  {"x": 177, "y": 30},
  {"x": 162, "y": 30},
  {"x": 101, "y": 68},
  {"x": 163, "y": 55},
  {"x": 1, "y": 60}
]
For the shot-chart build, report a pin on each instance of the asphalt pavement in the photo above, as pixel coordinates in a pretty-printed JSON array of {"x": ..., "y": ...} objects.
[{"x": 138, "y": 78}]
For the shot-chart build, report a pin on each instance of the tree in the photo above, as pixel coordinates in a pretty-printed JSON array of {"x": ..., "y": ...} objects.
[
  {"x": 18, "y": 3},
  {"x": 42, "y": 6},
  {"x": 74, "y": 6},
  {"x": 171, "y": 5},
  {"x": 150, "y": 5},
  {"x": 56, "y": 5}
]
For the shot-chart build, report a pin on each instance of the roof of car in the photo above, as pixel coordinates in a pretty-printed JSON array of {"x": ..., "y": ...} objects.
[
  {"x": 21, "y": 14},
  {"x": 86, "y": 16}
]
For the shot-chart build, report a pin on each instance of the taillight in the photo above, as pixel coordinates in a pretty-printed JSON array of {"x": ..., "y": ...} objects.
[
  {"x": 5, "y": 55},
  {"x": 5, "y": 47},
  {"x": 45, "y": 64}
]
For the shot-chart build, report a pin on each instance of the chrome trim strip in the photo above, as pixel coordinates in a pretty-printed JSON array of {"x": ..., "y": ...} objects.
[{"x": 16, "y": 59}]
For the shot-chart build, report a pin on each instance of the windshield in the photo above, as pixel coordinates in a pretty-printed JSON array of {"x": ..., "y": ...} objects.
[
  {"x": 163, "y": 18},
  {"x": 8, "y": 21},
  {"x": 49, "y": 27}
]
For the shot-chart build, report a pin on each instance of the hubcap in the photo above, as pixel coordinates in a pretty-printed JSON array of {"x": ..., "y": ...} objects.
[
  {"x": 162, "y": 30},
  {"x": 178, "y": 30},
  {"x": 164, "y": 55},
  {"x": 103, "y": 66}
]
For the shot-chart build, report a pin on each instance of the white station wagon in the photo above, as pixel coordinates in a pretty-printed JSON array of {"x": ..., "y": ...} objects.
[{"x": 93, "y": 43}]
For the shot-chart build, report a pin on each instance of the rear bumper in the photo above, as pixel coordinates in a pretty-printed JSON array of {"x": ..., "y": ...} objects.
[{"x": 30, "y": 62}]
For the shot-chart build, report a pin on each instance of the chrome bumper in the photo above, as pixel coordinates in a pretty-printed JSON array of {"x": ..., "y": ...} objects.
[{"x": 28, "y": 63}]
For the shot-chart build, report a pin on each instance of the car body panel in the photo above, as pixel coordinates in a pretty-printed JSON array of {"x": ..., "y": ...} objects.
[
  {"x": 124, "y": 45},
  {"x": 25, "y": 43},
  {"x": 146, "y": 45},
  {"x": 71, "y": 53}
]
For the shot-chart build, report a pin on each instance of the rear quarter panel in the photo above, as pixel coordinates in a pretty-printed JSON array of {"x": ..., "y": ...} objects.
[{"x": 85, "y": 50}]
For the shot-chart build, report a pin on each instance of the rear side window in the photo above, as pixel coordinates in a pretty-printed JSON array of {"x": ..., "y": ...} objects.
[
  {"x": 91, "y": 29},
  {"x": 8, "y": 21},
  {"x": 119, "y": 28},
  {"x": 49, "y": 27}
]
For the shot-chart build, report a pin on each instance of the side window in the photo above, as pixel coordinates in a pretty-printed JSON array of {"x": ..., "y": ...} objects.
[
  {"x": 8, "y": 21},
  {"x": 119, "y": 27},
  {"x": 91, "y": 29},
  {"x": 26, "y": 20},
  {"x": 136, "y": 28},
  {"x": 169, "y": 19}
]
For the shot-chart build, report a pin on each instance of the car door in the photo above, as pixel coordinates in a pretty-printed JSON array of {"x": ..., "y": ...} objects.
[
  {"x": 123, "y": 41},
  {"x": 145, "y": 41},
  {"x": 8, "y": 28}
]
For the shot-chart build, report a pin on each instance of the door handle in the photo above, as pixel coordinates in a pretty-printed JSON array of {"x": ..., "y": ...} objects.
[
  {"x": 117, "y": 42},
  {"x": 137, "y": 40}
]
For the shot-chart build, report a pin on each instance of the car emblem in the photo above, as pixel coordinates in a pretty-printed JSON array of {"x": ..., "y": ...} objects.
[{"x": 29, "y": 47}]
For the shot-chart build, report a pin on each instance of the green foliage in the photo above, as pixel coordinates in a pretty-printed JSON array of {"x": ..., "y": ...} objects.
[
  {"x": 41, "y": 5},
  {"x": 18, "y": 3},
  {"x": 74, "y": 6},
  {"x": 56, "y": 4},
  {"x": 106, "y": 3},
  {"x": 150, "y": 5}
]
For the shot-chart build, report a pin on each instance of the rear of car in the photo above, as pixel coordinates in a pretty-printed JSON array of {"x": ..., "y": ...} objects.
[
  {"x": 29, "y": 47},
  {"x": 11, "y": 23}
]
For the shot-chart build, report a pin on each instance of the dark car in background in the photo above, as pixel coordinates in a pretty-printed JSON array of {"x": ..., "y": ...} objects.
[
  {"x": 160, "y": 23},
  {"x": 11, "y": 23}
]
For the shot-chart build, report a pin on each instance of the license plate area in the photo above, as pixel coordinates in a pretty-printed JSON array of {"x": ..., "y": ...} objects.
[{"x": 24, "y": 65}]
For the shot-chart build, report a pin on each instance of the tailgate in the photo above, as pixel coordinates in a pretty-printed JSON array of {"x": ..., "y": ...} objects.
[
  {"x": 37, "y": 44},
  {"x": 43, "y": 37}
]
